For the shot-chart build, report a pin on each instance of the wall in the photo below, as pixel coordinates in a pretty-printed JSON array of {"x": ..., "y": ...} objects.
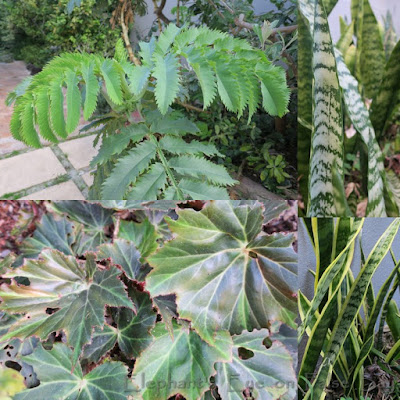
[
  {"x": 380, "y": 8},
  {"x": 143, "y": 24}
]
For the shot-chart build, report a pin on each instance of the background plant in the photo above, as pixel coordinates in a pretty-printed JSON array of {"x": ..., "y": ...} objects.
[
  {"x": 36, "y": 31},
  {"x": 323, "y": 183},
  {"x": 339, "y": 323},
  {"x": 106, "y": 311}
]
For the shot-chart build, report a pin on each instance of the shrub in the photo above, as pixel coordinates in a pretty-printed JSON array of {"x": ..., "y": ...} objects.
[{"x": 38, "y": 30}]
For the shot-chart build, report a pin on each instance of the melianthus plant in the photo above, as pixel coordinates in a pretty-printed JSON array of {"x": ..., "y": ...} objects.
[
  {"x": 339, "y": 322},
  {"x": 143, "y": 154},
  {"x": 177, "y": 295},
  {"x": 329, "y": 77}
]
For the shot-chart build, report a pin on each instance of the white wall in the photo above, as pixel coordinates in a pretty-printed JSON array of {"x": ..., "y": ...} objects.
[
  {"x": 380, "y": 8},
  {"x": 143, "y": 24}
]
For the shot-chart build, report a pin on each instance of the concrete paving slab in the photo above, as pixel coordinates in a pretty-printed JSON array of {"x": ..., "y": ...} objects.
[
  {"x": 28, "y": 169},
  {"x": 63, "y": 191},
  {"x": 80, "y": 151},
  {"x": 88, "y": 178}
]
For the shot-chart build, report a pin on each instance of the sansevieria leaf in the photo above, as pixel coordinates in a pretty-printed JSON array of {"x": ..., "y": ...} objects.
[
  {"x": 327, "y": 135},
  {"x": 350, "y": 308},
  {"x": 360, "y": 118},
  {"x": 108, "y": 381},
  {"x": 223, "y": 247}
]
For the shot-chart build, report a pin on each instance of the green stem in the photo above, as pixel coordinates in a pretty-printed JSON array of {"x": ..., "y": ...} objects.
[{"x": 167, "y": 169}]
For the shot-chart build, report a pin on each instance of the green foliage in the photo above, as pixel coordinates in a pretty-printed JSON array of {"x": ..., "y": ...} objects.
[
  {"x": 140, "y": 89},
  {"x": 339, "y": 322},
  {"x": 107, "y": 323},
  {"x": 39, "y": 30}
]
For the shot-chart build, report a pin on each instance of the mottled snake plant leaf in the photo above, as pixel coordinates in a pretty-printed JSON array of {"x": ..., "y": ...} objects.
[
  {"x": 108, "y": 381},
  {"x": 221, "y": 253},
  {"x": 304, "y": 102},
  {"x": 179, "y": 360},
  {"x": 268, "y": 372},
  {"x": 371, "y": 54},
  {"x": 359, "y": 116},
  {"x": 131, "y": 331},
  {"x": 77, "y": 292},
  {"x": 386, "y": 99},
  {"x": 327, "y": 135}
]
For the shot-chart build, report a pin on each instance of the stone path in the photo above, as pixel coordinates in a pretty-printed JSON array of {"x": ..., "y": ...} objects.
[{"x": 54, "y": 172}]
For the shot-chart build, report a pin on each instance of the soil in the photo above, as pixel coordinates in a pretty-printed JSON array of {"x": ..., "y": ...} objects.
[{"x": 17, "y": 221}]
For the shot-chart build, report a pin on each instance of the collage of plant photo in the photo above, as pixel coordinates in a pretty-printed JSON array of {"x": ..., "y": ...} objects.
[{"x": 199, "y": 200}]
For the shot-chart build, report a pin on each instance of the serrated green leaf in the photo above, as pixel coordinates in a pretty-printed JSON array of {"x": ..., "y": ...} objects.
[
  {"x": 57, "y": 108},
  {"x": 128, "y": 169},
  {"x": 28, "y": 130},
  {"x": 43, "y": 116},
  {"x": 146, "y": 51},
  {"x": 92, "y": 90},
  {"x": 202, "y": 191},
  {"x": 228, "y": 87},
  {"x": 52, "y": 234},
  {"x": 222, "y": 245},
  {"x": 93, "y": 219},
  {"x": 120, "y": 54},
  {"x": 15, "y": 123},
  {"x": 166, "y": 38},
  {"x": 199, "y": 167},
  {"x": 112, "y": 79},
  {"x": 131, "y": 331},
  {"x": 115, "y": 144},
  {"x": 166, "y": 72},
  {"x": 108, "y": 381},
  {"x": 176, "y": 145},
  {"x": 124, "y": 253},
  {"x": 206, "y": 77},
  {"x": 139, "y": 77},
  {"x": 274, "y": 89},
  {"x": 194, "y": 357},
  {"x": 142, "y": 234},
  {"x": 268, "y": 373},
  {"x": 168, "y": 126},
  {"x": 149, "y": 184},
  {"x": 73, "y": 101},
  {"x": 78, "y": 293}
]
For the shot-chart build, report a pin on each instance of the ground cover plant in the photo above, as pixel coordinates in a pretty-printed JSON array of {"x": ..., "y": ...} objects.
[
  {"x": 150, "y": 300},
  {"x": 351, "y": 332},
  {"x": 347, "y": 156}
]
